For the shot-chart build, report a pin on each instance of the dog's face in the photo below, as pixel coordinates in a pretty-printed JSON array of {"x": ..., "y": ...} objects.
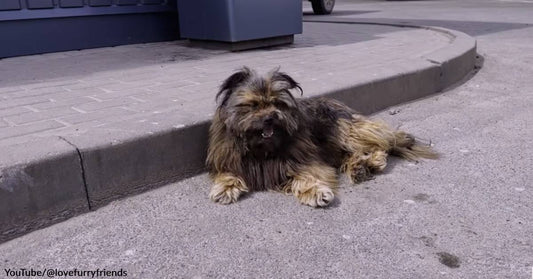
[{"x": 260, "y": 110}]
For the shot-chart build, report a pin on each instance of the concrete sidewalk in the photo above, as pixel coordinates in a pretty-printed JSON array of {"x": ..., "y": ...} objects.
[{"x": 79, "y": 129}]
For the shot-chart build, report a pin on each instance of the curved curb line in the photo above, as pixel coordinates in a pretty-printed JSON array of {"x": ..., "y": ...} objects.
[{"x": 444, "y": 68}]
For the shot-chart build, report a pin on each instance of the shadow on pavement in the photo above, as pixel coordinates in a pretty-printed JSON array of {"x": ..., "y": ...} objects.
[
  {"x": 472, "y": 28},
  {"x": 340, "y": 13},
  {"x": 84, "y": 63}
]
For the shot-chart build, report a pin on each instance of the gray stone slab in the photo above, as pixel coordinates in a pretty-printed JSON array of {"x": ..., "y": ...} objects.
[
  {"x": 13, "y": 111},
  {"x": 138, "y": 163},
  {"x": 41, "y": 183},
  {"x": 455, "y": 62},
  {"x": 22, "y": 130}
]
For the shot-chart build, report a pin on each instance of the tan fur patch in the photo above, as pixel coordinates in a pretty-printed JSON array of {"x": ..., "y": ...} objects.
[
  {"x": 227, "y": 188},
  {"x": 314, "y": 185},
  {"x": 365, "y": 135},
  {"x": 221, "y": 151},
  {"x": 369, "y": 143}
]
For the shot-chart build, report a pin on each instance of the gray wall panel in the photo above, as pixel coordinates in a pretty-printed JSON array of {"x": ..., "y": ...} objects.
[
  {"x": 9, "y": 5},
  {"x": 40, "y": 26},
  {"x": 100, "y": 2},
  {"x": 40, "y": 4},
  {"x": 127, "y": 2},
  {"x": 152, "y": 1},
  {"x": 70, "y": 3}
]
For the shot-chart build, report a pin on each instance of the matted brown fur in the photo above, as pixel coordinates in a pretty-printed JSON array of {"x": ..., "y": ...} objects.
[{"x": 262, "y": 138}]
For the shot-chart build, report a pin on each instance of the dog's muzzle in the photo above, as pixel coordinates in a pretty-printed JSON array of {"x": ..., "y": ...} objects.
[
  {"x": 267, "y": 132},
  {"x": 268, "y": 129}
]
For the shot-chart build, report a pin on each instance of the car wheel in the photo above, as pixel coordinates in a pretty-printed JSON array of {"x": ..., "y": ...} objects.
[{"x": 322, "y": 7}]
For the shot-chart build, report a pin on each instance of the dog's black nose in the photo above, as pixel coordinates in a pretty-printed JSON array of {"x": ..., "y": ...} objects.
[{"x": 269, "y": 120}]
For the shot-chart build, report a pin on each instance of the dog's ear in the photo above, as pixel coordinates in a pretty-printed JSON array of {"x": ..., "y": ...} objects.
[
  {"x": 231, "y": 83},
  {"x": 285, "y": 81}
]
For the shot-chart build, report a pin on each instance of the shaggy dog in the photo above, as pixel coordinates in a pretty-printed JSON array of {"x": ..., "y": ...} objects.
[{"x": 262, "y": 138}]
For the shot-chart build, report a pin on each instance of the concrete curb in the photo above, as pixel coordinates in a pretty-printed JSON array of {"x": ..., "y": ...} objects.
[
  {"x": 446, "y": 67},
  {"x": 42, "y": 187},
  {"x": 74, "y": 176}
]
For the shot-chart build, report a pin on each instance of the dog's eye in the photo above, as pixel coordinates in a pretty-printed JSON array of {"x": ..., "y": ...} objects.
[
  {"x": 280, "y": 104},
  {"x": 248, "y": 105}
]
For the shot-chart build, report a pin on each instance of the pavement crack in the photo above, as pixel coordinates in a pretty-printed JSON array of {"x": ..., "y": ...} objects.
[
  {"x": 83, "y": 175},
  {"x": 433, "y": 61}
]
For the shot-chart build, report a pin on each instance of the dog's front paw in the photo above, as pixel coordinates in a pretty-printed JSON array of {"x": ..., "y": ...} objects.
[
  {"x": 227, "y": 189},
  {"x": 324, "y": 196},
  {"x": 320, "y": 196},
  {"x": 224, "y": 194}
]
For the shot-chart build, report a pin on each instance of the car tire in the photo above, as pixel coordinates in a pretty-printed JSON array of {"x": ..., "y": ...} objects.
[{"x": 323, "y": 7}]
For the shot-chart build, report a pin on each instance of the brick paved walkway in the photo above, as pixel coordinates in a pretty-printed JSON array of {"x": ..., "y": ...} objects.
[{"x": 77, "y": 92}]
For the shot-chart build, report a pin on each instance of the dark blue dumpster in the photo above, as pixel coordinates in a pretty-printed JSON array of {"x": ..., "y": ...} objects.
[{"x": 235, "y": 21}]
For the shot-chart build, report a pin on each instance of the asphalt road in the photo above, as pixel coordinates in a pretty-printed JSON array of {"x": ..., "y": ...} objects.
[{"x": 467, "y": 215}]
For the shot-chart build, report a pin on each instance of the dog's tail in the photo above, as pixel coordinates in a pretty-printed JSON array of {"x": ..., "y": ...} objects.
[
  {"x": 406, "y": 146},
  {"x": 369, "y": 134}
]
